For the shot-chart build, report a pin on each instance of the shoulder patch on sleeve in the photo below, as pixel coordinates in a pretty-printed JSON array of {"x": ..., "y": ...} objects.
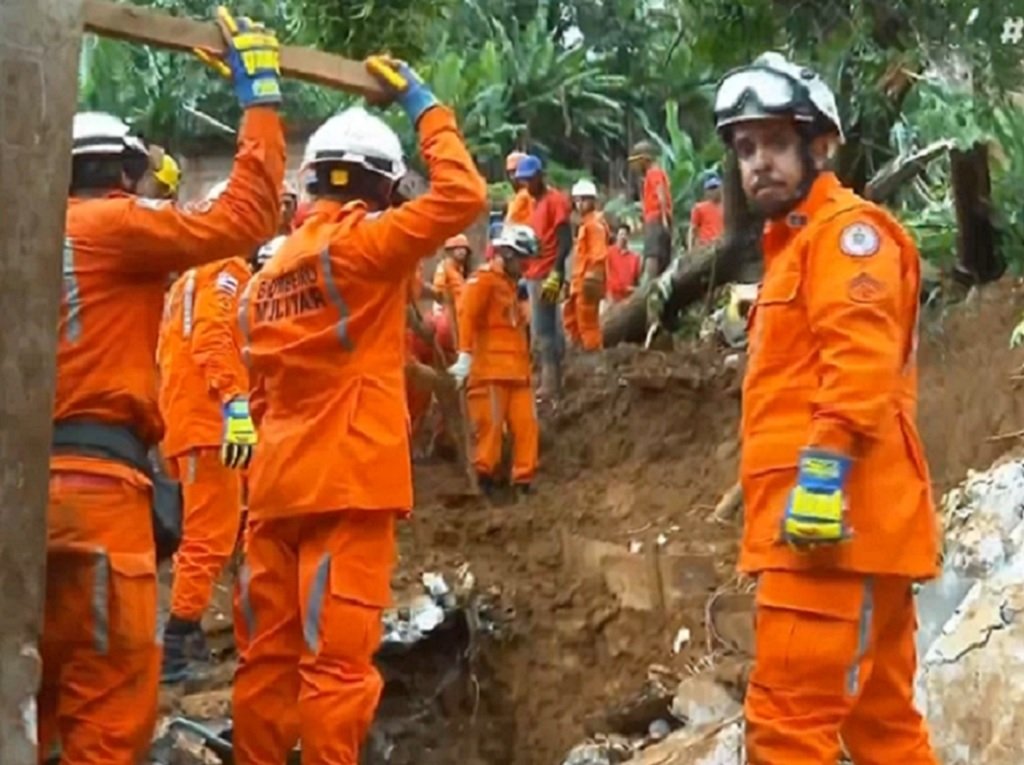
[
  {"x": 860, "y": 240},
  {"x": 146, "y": 203},
  {"x": 227, "y": 284},
  {"x": 864, "y": 288}
]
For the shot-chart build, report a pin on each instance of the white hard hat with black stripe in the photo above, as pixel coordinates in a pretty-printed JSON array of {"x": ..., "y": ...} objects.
[
  {"x": 102, "y": 134},
  {"x": 357, "y": 137},
  {"x": 773, "y": 87}
]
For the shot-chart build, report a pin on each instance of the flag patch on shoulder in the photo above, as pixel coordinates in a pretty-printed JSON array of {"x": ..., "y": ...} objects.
[{"x": 227, "y": 284}]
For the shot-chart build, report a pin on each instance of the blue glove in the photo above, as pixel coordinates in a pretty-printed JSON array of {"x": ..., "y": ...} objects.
[
  {"x": 239, "y": 436},
  {"x": 815, "y": 512},
  {"x": 252, "y": 60},
  {"x": 403, "y": 84}
]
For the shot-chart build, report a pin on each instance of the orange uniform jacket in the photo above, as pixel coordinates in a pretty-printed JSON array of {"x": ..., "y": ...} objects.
[
  {"x": 832, "y": 364},
  {"x": 491, "y": 328},
  {"x": 117, "y": 255},
  {"x": 324, "y": 324},
  {"x": 449, "y": 281},
  {"x": 520, "y": 209},
  {"x": 591, "y": 249},
  {"x": 199, "y": 354}
]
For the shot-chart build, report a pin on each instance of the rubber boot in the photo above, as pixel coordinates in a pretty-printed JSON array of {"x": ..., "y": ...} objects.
[
  {"x": 185, "y": 650},
  {"x": 486, "y": 484}
]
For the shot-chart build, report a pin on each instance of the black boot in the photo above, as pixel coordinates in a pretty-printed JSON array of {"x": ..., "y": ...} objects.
[
  {"x": 522, "y": 490},
  {"x": 486, "y": 484},
  {"x": 184, "y": 648}
]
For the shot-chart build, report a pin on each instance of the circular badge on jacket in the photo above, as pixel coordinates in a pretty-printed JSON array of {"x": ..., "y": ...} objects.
[{"x": 859, "y": 240}]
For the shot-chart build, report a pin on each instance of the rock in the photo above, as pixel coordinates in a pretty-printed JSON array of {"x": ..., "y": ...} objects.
[
  {"x": 972, "y": 618},
  {"x": 603, "y": 750},
  {"x": 701, "y": 702},
  {"x": 213, "y": 705},
  {"x": 719, "y": 746}
]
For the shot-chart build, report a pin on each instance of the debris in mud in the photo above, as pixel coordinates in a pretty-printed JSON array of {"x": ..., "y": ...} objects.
[
  {"x": 428, "y": 659},
  {"x": 972, "y": 618}
]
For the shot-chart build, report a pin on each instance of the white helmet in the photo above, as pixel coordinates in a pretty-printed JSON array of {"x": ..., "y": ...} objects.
[
  {"x": 266, "y": 252},
  {"x": 356, "y": 136},
  {"x": 216, "y": 190},
  {"x": 519, "y": 238},
  {"x": 584, "y": 188},
  {"x": 98, "y": 133},
  {"x": 773, "y": 86}
]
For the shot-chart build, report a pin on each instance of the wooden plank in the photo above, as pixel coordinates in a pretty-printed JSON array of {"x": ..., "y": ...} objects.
[
  {"x": 39, "y": 43},
  {"x": 157, "y": 28}
]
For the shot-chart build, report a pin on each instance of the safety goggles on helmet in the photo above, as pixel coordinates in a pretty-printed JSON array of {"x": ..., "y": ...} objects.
[{"x": 759, "y": 91}]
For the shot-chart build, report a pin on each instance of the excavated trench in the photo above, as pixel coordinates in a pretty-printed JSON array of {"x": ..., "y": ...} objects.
[{"x": 577, "y": 612}]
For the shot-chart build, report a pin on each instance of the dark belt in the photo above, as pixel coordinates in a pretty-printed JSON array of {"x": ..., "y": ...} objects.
[{"x": 92, "y": 438}]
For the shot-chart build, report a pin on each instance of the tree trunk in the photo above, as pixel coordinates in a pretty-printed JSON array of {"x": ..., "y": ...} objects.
[
  {"x": 39, "y": 43},
  {"x": 736, "y": 256},
  {"x": 978, "y": 257}
]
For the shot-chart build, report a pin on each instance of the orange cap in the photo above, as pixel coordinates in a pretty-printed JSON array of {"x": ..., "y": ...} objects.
[
  {"x": 512, "y": 160},
  {"x": 459, "y": 240}
]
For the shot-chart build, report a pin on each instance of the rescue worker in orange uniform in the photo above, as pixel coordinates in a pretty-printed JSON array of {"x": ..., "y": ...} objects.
[
  {"x": 656, "y": 195},
  {"x": 839, "y": 519},
  {"x": 494, "y": 356},
  {"x": 324, "y": 325},
  {"x": 581, "y": 311},
  {"x": 520, "y": 209},
  {"x": 201, "y": 372},
  {"x": 449, "y": 281},
  {"x": 100, "y": 647}
]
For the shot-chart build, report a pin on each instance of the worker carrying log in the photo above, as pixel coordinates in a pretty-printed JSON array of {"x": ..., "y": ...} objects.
[
  {"x": 324, "y": 325},
  {"x": 494, "y": 357},
  {"x": 100, "y": 650},
  {"x": 201, "y": 372},
  {"x": 581, "y": 311},
  {"x": 839, "y": 520}
]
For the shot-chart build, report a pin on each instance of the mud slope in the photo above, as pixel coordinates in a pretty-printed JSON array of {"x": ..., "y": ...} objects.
[{"x": 644, "y": 445}]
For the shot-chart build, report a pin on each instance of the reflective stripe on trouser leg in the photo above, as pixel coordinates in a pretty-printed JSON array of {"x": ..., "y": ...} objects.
[
  {"x": 315, "y": 604},
  {"x": 867, "y": 610},
  {"x": 101, "y": 603},
  {"x": 244, "y": 600}
]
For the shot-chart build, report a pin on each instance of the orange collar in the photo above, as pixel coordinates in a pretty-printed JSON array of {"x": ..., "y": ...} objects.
[{"x": 779, "y": 232}]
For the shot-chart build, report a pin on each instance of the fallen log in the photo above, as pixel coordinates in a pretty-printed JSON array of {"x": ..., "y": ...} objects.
[
  {"x": 154, "y": 27},
  {"x": 737, "y": 255},
  {"x": 900, "y": 170}
]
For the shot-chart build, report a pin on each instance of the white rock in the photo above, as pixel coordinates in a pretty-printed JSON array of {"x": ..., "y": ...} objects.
[{"x": 972, "y": 618}]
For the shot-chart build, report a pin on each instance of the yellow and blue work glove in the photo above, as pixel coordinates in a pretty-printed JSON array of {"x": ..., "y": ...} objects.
[
  {"x": 403, "y": 85},
  {"x": 816, "y": 510},
  {"x": 551, "y": 288},
  {"x": 252, "y": 60},
  {"x": 239, "y": 436}
]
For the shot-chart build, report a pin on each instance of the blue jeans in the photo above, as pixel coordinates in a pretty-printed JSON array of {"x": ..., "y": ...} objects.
[{"x": 545, "y": 326}]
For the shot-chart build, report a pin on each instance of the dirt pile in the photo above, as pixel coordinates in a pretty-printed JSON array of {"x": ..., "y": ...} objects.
[{"x": 615, "y": 564}]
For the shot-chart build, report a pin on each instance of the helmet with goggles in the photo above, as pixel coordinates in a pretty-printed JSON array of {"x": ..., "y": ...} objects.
[{"x": 773, "y": 87}]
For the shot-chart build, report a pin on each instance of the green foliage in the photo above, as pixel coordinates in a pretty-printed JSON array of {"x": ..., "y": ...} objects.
[{"x": 578, "y": 81}]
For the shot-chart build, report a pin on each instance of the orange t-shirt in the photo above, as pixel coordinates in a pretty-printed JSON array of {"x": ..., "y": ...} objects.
[
  {"x": 622, "y": 271},
  {"x": 707, "y": 220},
  {"x": 551, "y": 211},
  {"x": 655, "y": 185},
  {"x": 520, "y": 209}
]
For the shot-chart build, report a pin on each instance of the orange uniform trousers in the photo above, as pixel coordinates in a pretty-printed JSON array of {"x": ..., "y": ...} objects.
[
  {"x": 311, "y": 594},
  {"x": 582, "y": 321},
  {"x": 101, "y": 658},
  {"x": 212, "y": 498},
  {"x": 493, "y": 406},
  {"x": 835, "y": 660}
]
